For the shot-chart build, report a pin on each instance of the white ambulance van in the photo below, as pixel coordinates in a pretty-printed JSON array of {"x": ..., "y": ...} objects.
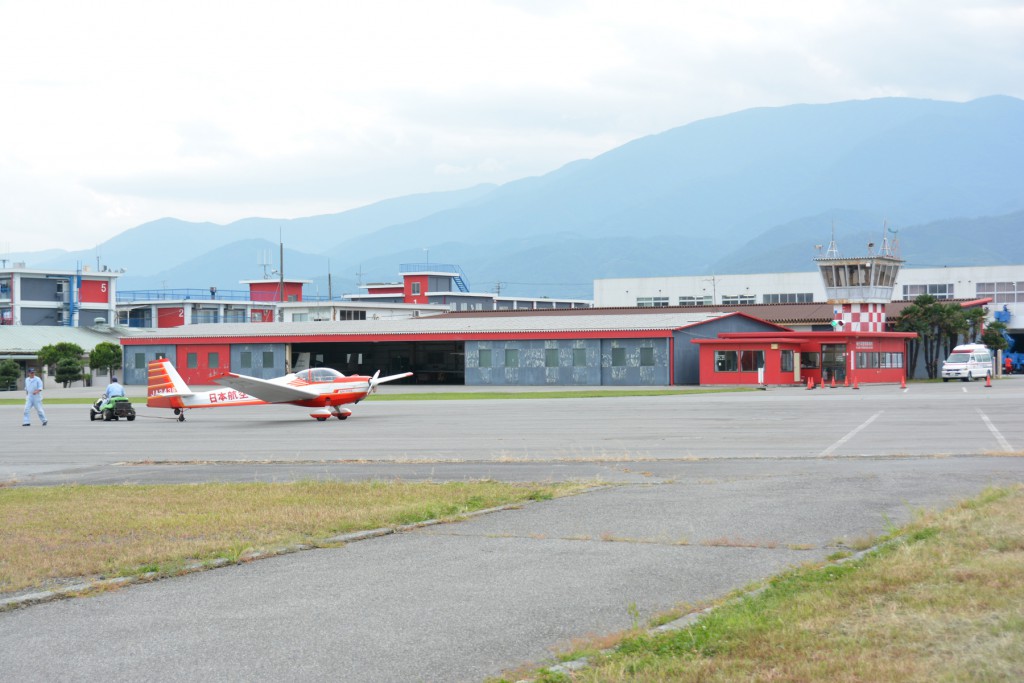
[{"x": 966, "y": 362}]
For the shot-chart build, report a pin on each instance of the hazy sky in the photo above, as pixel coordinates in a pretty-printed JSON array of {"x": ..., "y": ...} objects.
[{"x": 114, "y": 113}]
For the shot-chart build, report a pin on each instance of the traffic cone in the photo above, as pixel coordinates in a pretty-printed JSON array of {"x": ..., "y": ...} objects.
[
  {"x": 833, "y": 385},
  {"x": 846, "y": 380},
  {"x": 810, "y": 383},
  {"x": 988, "y": 380},
  {"x": 903, "y": 383},
  {"x": 855, "y": 385}
]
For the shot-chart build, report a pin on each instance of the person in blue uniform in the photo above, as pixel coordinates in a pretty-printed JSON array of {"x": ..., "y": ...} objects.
[
  {"x": 33, "y": 397},
  {"x": 113, "y": 389}
]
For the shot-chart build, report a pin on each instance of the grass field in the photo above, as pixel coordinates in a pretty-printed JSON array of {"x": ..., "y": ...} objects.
[
  {"x": 943, "y": 601},
  {"x": 50, "y": 535}
]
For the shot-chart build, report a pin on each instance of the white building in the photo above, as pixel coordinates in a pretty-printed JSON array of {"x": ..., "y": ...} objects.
[
  {"x": 57, "y": 298},
  {"x": 1003, "y": 284}
]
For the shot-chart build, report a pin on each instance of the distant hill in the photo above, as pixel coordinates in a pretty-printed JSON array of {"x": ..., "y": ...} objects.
[
  {"x": 753, "y": 191},
  {"x": 164, "y": 244},
  {"x": 990, "y": 240}
]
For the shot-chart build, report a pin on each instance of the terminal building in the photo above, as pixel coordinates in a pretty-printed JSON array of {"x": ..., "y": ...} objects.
[{"x": 1002, "y": 286}]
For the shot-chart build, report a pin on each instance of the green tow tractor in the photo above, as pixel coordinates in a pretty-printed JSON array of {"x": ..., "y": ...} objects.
[{"x": 114, "y": 408}]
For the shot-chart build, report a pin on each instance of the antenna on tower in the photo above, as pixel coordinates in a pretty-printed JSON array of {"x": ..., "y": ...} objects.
[
  {"x": 263, "y": 259},
  {"x": 890, "y": 247},
  {"x": 359, "y": 276},
  {"x": 833, "y": 251}
]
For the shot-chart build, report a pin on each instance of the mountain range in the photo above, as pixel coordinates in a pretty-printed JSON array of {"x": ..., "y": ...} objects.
[{"x": 759, "y": 190}]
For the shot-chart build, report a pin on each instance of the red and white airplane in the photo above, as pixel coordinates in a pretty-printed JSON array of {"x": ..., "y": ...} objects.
[{"x": 324, "y": 389}]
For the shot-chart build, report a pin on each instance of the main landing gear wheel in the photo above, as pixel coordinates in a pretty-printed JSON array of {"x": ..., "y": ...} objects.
[
  {"x": 181, "y": 417},
  {"x": 341, "y": 416}
]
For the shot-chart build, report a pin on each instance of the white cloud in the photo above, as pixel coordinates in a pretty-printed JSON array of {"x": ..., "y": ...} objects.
[{"x": 121, "y": 112}]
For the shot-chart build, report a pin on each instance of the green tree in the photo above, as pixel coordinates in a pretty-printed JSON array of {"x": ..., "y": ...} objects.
[
  {"x": 993, "y": 336},
  {"x": 914, "y": 318},
  {"x": 938, "y": 327},
  {"x": 105, "y": 355},
  {"x": 9, "y": 374},
  {"x": 952, "y": 324},
  {"x": 976, "y": 318},
  {"x": 68, "y": 370},
  {"x": 51, "y": 354}
]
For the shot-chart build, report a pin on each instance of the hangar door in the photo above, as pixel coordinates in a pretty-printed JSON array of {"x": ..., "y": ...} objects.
[{"x": 431, "y": 362}]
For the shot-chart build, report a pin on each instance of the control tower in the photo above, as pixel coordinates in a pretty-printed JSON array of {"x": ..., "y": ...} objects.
[{"x": 859, "y": 288}]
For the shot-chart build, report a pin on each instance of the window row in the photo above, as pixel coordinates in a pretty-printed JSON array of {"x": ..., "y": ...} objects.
[
  {"x": 245, "y": 359},
  {"x": 553, "y": 357},
  {"x": 940, "y": 292},
  {"x": 1002, "y": 292},
  {"x": 788, "y": 298},
  {"x": 844, "y": 275},
  {"x": 738, "y": 361},
  {"x": 879, "y": 359}
]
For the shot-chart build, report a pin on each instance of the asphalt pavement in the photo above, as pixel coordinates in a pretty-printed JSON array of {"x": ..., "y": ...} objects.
[{"x": 709, "y": 493}]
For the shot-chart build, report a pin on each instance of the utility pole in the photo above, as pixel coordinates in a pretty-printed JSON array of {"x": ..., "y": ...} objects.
[
  {"x": 714, "y": 289},
  {"x": 280, "y": 309}
]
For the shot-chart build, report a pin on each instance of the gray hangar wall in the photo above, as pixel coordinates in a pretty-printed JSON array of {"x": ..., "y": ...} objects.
[
  {"x": 135, "y": 368},
  {"x": 568, "y": 362}
]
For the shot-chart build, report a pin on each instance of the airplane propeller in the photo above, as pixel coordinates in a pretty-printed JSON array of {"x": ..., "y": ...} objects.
[{"x": 372, "y": 384}]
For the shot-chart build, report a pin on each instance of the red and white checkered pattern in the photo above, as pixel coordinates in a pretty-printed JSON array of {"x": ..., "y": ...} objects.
[{"x": 861, "y": 317}]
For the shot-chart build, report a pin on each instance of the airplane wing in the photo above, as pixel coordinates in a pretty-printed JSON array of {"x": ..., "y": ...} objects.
[
  {"x": 377, "y": 379},
  {"x": 264, "y": 390}
]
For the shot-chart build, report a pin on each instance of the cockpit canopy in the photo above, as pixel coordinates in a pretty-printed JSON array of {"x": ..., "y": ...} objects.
[{"x": 314, "y": 375}]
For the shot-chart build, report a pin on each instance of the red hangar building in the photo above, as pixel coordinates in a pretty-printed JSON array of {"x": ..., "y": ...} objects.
[
  {"x": 570, "y": 347},
  {"x": 790, "y": 343},
  {"x": 844, "y": 340}
]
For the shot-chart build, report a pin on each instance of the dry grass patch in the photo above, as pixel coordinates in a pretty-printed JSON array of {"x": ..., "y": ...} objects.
[
  {"x": 48, "y": 534},
  {"x": 944, "y": 602}
]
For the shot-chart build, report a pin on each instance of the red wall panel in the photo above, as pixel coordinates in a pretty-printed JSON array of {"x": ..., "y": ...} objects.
[
  {"x": 423, "y": 281},
  {"x": 170, "y": 317},
  {"x": 94, "y": 292},
  {"x": 198, "y": 363}
]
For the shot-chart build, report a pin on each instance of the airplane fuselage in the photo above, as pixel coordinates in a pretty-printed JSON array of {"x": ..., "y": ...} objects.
[{"x": 324, "y": 390}]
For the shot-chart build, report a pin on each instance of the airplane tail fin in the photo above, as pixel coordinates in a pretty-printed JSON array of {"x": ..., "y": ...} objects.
[{"x": 165, "y": 387}]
